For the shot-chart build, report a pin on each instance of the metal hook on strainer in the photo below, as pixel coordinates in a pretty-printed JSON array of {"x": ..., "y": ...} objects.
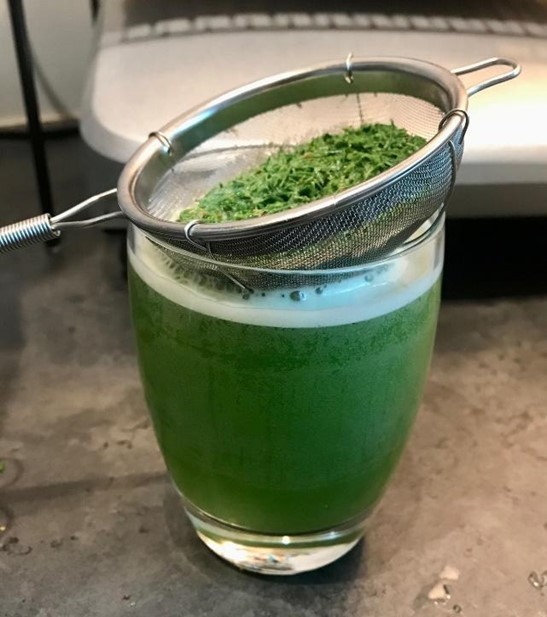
[
  {"x": 349, "y": 72},
  {"x": 230, "y": 134}
]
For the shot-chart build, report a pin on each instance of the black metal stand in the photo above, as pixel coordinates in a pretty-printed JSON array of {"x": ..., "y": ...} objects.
[
  {"x": 94, "y": 9},
  {"x": 26, "y": 75}
]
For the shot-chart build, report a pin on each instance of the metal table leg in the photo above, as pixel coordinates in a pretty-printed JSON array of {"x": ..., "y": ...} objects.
[{"x": 26, "y": 75}]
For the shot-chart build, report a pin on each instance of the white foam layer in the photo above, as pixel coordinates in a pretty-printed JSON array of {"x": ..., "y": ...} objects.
[{"x": 368, "y": 295}]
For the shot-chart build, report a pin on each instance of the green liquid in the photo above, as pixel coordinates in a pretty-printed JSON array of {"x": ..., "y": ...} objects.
[{"x": 281, "y": 430}]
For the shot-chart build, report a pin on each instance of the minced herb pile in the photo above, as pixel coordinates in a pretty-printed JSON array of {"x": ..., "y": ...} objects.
[{"x": 294, "y": 176}]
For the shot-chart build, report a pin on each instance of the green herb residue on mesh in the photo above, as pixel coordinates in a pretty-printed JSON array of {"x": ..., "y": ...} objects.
[{"x": 294, "y": 176}]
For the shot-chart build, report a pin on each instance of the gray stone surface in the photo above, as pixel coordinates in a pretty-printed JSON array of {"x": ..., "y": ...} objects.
[{"x": 100, "y": 532}]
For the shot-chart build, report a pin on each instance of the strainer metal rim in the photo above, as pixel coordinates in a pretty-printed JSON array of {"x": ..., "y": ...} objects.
[{"x": 155, "y": 150}]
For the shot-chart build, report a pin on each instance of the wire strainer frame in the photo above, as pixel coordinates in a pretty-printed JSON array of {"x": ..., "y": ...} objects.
[
  {"x": 417, "y": 78},
  {"x": 425, "y": 80}
]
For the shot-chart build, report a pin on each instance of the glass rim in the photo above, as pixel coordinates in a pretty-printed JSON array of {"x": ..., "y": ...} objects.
[{"x": 436, "y": 224}]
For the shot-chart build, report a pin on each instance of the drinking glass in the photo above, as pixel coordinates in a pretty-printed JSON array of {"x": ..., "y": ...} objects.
[{"x": 282, "y": 409}]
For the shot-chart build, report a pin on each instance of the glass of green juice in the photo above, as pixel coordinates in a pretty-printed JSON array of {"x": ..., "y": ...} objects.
[{"x": 282, "y": 412}]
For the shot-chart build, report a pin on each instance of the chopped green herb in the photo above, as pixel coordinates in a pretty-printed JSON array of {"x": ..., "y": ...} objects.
[
  {"x": 2, "y": 467},
  {"x": 294, "y": 176}
]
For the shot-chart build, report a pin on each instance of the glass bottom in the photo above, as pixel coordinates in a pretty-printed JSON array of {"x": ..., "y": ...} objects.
[{"x": 274, "y": 554}]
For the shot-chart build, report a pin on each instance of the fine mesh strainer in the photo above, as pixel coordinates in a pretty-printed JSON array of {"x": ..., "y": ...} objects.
[{"x": 240, "y": 129}]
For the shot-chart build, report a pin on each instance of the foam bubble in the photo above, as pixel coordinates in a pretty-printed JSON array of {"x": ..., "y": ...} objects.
[{"x": 371, "y": 293}]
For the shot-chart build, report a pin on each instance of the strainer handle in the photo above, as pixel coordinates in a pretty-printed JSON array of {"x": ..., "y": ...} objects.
[
  {"x": 45, "y": 227},
  {"x": 492, "y": 81},
  {"x": 25, "y": 233}
]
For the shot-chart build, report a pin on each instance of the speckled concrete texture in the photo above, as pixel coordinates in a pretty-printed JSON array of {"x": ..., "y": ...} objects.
[
  {"x": 99, "y": 531},
  {"x": 93, "y": 528}
]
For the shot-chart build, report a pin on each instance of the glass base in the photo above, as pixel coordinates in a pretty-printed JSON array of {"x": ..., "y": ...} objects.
[{"x": 274, "y": 554}]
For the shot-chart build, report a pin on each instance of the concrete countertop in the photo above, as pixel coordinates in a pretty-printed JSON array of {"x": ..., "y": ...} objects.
[{"x": 94, "y": 529}]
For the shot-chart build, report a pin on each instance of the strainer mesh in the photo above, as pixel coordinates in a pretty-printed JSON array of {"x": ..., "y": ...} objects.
[{"x": 365, "y": 229}]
